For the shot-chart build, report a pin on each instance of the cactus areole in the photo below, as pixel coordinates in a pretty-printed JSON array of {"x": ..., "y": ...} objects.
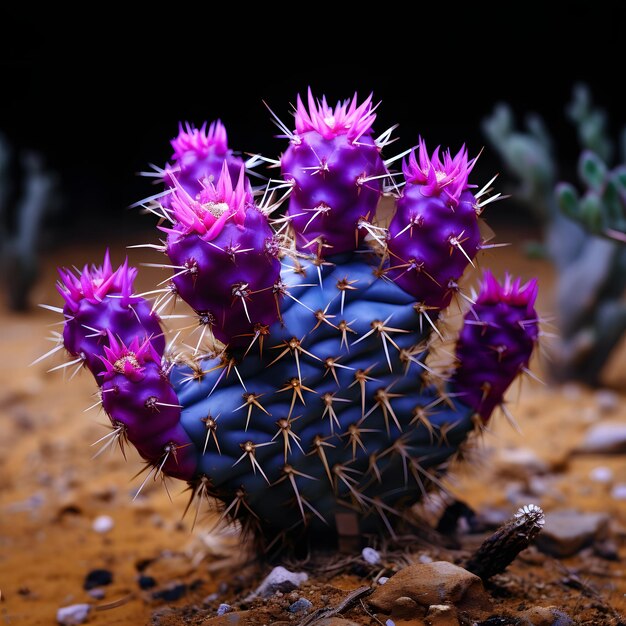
[{"x": 304, "y": 391}]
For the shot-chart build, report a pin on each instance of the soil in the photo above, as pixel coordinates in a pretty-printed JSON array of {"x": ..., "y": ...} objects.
[{"x": 51, "y": 492}]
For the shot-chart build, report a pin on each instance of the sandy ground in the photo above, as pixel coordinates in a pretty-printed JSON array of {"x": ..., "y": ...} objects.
[{"x": 51, "y": 491}]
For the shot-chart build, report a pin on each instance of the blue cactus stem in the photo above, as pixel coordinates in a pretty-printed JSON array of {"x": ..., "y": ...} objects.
[{"x": 337, "y": 396}]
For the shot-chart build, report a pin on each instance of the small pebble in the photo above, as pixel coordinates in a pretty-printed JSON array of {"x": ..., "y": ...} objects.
[
  {"x": 224, "y": 608},
  {"x": 607, "y": 437},
  {"x": 601, "y": 474},
  {"x": 212, "y": 597},
  {"x": 281, "y": 579},
  {"x": 424, "y": 558},
  {"x": 607, "y": 400},
  {"x": 382, "y": 580},
  {"x": 146, "y": 582},
  {"x": 73, "y": 614},
  {"x": 301, "y": 606},
  {"x": 619, "y": 491},
  {"x": 171, "y": 594},
  {"x": 97, "y": 594},
  {"x": 97, "y": 578},
  {"x": 103, "y": 524},
  {"x": 371, "y": 556}
]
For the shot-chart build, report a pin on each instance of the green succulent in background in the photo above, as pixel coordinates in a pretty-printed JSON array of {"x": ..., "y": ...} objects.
[{"x": 583, "y": 235}]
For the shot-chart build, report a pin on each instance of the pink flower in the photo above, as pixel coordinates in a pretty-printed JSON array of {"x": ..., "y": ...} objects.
[
  {"x": 96, "y": 282},
  {"x": 436, "y": 175},
  {"x": 127, "y": 360},
  {"x": 345, "y": 119},
  {"x": 198, "y": 141},
  {"x": 208, "y": 212},
  {"x": 511, "y": 291}
]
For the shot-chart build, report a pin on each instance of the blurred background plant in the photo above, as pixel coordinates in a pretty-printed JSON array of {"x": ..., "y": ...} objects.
[
  {"x": 584, "y": 236},
  {"x": 28, "y": 193}
]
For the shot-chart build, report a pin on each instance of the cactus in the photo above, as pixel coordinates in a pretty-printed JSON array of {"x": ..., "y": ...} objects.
[
  {"x": 581, "y": 235},
  {"x": 308, "y": 394}
]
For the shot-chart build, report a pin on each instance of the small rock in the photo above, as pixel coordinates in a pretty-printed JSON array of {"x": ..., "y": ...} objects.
[
  {"x": 619, "y": 491},
  {"x": 601, "y": 474},
  {"x": 146, "y": 582},
  {"x": 97, "y": 578},
  {"x": 491, "y": 517},
  {"x": 239, "y": 618},
  {"x": 224, "y": 608},
  {"x": 281, "y": 579},
  {"x": 97, "y": 593},
  {"x": 335, "y": 621},
  {"x": 73, "y": 614},
  {"x": 404, "y": 607},
  {"x": 371, "y": 556},
  {"x": 432, "y": 583},
  {"x": 442, "y": 615},
  {"x": 382, "y": 580},
  {"x": 544, "y": 616},
  {"x": 103, "y": 524},
  {"x": 607, "y": 400},
  {"x": 520, "y": 460},
  {"x": 171, "y": 594},
  {"x": 301, "y": 605},
  {"x": 605, "y": 438},
  {"x": 424, "y": 558},
  {"x": 212, "y": 597},
  {"x": 567, "y": 531}
]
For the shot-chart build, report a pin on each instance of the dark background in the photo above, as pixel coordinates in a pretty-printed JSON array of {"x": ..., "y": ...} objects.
[{"x": 102, "y": 100}]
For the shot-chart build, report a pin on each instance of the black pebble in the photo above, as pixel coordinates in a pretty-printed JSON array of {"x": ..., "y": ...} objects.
[
  {"x": 97, "y": 578},
  {"x": 172, "y": 594},
  {"x": 146, "y": 582}
]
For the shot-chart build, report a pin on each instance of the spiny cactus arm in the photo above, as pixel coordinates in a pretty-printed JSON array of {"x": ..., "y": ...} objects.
[
  {"x": 497, "y": 339},
  {"x": 199, "y": 154},
  {"x": 602, "y": 208},
  {"x": 591, "y": 123},
  {"x": 336, "y": 146},
  {"x": 99, "y": 299},
  {"x": 527, "y": 155},
  {"x": 143, "y": 407}
]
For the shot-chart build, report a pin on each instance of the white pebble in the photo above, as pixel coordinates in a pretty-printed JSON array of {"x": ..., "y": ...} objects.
[
  {"x": 619, "y": 491},
  {"x": 370, "y": 556},
  {"x": 601, "y": 474},
  {"x": 424, "y": 558},
  {"x": 607, "y": 400},
  {"x": 382, "y": 580},
  {"x": 73, "y": 614},
  {"x": 103, "y": 524}
]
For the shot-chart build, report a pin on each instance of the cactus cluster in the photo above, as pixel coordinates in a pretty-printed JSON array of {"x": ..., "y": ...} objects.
[
  {"x": 305, "y": 393},
  {"x": 583, "y": 236}
]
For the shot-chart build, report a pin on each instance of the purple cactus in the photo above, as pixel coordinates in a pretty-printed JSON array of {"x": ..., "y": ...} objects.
[
  {"x": 226, "y": 257},
  {"x": 99, "y": 299},
  {"x": 198, "y": 158},
  {"x": 143, "y": 406},
  {"x": 335, "y": 411},
  {"x": 496, "y": 342},
  {"x": 336, "y": 170},
  {"x": 434, "y": 234}
]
